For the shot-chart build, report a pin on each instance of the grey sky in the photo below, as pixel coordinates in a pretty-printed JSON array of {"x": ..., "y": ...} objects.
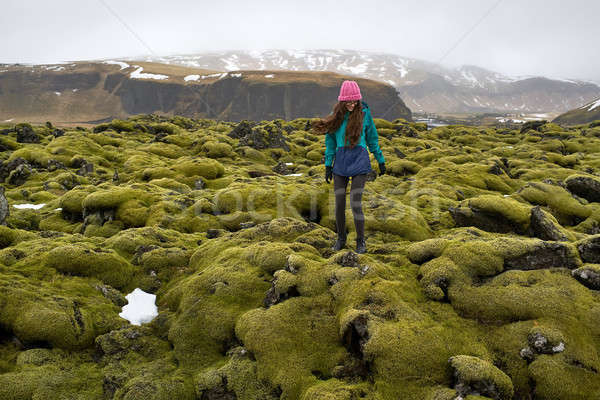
[{"x": 519, "y": 37}]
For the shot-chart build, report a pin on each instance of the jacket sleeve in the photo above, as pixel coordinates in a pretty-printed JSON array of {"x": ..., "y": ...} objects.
[
  {"x": 330, "y": 148},
  {"x": 372, "y": 139}
]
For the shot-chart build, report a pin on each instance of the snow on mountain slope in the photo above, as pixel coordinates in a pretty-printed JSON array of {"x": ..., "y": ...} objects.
[{"x": 423, "y": 85}]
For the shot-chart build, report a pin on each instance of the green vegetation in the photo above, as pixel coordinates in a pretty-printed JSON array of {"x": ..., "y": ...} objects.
[{"x": 480, "y": 280}]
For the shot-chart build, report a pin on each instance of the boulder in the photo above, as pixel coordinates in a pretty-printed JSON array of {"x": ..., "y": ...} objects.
[
  {"x": 544, "y": 226},
  {"x": 588, "y": 275},
  {"x": 26, "y": 134},
  {"x": 584, "y": 186},
  {"x": 544, "y": 255},
  {"x": 20, "y": 174},
  {"x": 589, "y": 249}
]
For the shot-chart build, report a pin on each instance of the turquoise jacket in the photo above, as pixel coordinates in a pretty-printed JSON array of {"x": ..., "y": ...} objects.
[{"x": 351, "y": 162}]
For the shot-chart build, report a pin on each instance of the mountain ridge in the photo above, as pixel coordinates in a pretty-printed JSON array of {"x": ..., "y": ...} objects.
[{"x": 471, "y": 88}]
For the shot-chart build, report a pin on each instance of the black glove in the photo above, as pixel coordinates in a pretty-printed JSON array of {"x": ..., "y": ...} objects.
[
  {"x": 328, "y": 173},
  {"x": 381, "y": 168}
]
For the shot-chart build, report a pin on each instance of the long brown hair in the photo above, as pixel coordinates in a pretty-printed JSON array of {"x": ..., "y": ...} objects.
[{"x": 333, "y": 121}]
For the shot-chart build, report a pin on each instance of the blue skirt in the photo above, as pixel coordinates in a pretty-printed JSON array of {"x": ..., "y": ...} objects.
[{"x": 351, "y": 162}]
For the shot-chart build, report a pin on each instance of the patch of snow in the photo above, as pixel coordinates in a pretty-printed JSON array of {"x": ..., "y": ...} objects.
[
  {"x": 559, "y": 348},
  {"x": 29, "y": 206},
  {"x": 58, "y": 209},
  {"x": 269, "y": 76},
  {"x": 294, "y": 174},
  {"x": 210, "y": 76},
  {"x": 122, "y": 64},
  {"x": 141, "y": 307},
  {"x": 191, "y": 78},
  {"x": 236, "y": 75},
  {"x": 54, "y": 68},
  {"x": 289, "y": 163},
  {"x": 230, "y": 65},
  {"x": 75, "y": 90},
  {"x": 594, "y": 105},
  {"x": 57, "y": 93},
  {"x": 8, "y": 120},
  {"x": 137, "y": 74}
]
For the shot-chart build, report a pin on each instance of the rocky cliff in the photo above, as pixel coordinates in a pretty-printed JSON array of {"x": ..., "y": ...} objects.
[{"x": 96, "y": 91}]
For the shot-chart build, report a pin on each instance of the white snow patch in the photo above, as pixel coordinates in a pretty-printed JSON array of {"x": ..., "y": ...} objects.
[
  {"x": 8, "y": 120},
  {"x": 294, "y": 174},
  {"x": 141, "y": 307},
  {"x": 289, "y": 163},
  {"x": 54, "y": 68},
  {"x": 29, "y": 206},
  {"x": 238, "y": 75},
  {"x": 58, "y": 209},
  {"x": 191, "y": 78},
  {"x": 594, "y": 105},
  {"x": 269, "y": 76},
  {"x": 75, "y": 90},
  {"x": 122, "y": 64},
  {"x": 57, "y": 93},
  {"x": 559, "y": 348},
  {"x": 137, "y": 74}
]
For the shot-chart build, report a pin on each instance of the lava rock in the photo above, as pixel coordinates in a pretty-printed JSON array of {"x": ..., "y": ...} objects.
[
  {"x": 589, "y": 250},
  {"x": 586, "y": 187},
  {"x": 26, "y": 134},
  {"x": 544, "y": 255},
  {"x": 588, "y": 277},
  {"x": 20, "y": 174},
  {"x": 543, "y": 227}
]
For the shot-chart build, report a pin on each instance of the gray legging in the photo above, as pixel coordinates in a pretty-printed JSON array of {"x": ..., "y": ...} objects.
[{"x": 340, "y": 183}]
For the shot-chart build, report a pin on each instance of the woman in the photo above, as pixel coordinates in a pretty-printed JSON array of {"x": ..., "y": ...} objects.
[{"x": 349, "y": 130}]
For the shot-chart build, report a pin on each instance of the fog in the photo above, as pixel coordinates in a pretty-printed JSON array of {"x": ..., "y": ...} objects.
[{"x": 552, "y": 38}]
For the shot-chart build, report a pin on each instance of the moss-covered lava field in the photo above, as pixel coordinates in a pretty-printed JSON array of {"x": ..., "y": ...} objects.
[{"x": 481, "y": 277}]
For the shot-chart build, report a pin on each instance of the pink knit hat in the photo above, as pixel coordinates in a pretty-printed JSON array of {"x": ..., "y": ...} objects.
[{"x": 349, "y": 91}]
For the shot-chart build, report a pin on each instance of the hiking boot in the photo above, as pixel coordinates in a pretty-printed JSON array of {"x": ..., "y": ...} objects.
[
  {"x": 339, "y": 244},
  {"x": 361, "y": 246}
]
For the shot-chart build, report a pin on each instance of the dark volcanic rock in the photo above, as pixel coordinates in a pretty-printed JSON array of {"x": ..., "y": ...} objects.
[
  {"x": 25, "y": 134},
  {"x": 260, "y": 137},
  {"x": 586, "y": 187},
  {"x": 533, "y": 125},
  {"x": 542, "y": 227},
  {"x": 485, "y": 220},
  {"x": 7, "y": 167},
  {"x": 356, "y": 334},
  {"x": 19, "y": 175},
  {"x": 219, "y": 392},
  {"x": 544, "y": 255},
  {"x": 588, "y": 277},
  {"x": 589, "y": 250},
  {"x": 274, "y": 296}
]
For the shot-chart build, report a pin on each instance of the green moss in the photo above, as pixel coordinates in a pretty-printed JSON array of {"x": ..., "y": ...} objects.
[
  {"x": 559, "y": 201},
  {"x": 99, "y": 263},
  {"x": 205, "y": 167},
  {"x": 291, "y": 325},
  {"x": 557, "y": 378},
  {"x": 216, "y": 149},
  {"x": 471, "y": 370},
  {"x": 403, "y": 167}
]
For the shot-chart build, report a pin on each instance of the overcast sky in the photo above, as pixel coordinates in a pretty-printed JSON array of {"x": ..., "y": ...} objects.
[{"x": 554, "y": 38}]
